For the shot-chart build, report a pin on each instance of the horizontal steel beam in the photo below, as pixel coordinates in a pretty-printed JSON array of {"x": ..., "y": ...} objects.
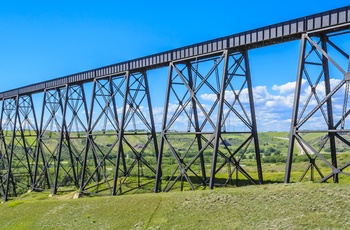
[{"x": 337, "y": 19}]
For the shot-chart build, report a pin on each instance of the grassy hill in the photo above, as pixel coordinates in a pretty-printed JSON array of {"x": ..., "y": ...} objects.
[{"x": 273, "y": 206}]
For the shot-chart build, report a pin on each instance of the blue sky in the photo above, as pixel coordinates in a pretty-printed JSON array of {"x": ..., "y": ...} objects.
[{"x": 41, "y": 40}]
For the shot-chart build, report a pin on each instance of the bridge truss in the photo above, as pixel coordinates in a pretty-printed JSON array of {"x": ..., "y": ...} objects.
[
  {"x": 322, "y": 61},
  {"x": 95, "y": 131},
  {"x": 226, "y": 76}
]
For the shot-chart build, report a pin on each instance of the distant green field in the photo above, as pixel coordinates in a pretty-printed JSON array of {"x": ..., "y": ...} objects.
[
  {"x": 273, "y": 151},
  {"x": 240, "y": 205}
]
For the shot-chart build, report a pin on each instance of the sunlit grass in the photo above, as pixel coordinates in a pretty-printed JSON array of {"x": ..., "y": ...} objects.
[{"x": 272, "y": 206}]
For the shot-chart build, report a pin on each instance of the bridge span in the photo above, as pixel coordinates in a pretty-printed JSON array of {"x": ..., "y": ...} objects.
[{"x": 95, "y": 130}]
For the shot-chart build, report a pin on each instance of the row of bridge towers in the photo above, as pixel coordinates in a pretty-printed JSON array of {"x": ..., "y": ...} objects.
[{"x": 100, "y": 137}]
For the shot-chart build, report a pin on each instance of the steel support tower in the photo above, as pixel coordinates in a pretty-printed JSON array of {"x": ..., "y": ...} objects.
[
  {"x": 95, "y": 131},
  {"x": 205, "y": 147},
  {"x": 120, "y": 145},
  {"x": 318, "y": 127},
  {"x": 18, "y": 141}
]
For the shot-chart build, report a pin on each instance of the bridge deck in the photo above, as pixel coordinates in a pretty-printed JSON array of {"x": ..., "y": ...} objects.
[{"x": 268, "y": 35}]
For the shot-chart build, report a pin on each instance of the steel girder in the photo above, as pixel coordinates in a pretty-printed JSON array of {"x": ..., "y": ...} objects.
[
  {"x": 120, "y": 144},
  {"x": 320, "y": 113},
  {"x": 204, "y": 98}
]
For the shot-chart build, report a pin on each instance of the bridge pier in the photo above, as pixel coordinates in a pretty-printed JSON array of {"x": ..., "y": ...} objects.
[
  {"x": 8, "y": 135},
  {"x": 121, "y": 138},
  {"x": 136, "y": 121},
  {"x": 320, "y": 59},
  {"x": 207, "y": 116},
  {"x": 208, "y": 125},
  {"x": 236, "y": 100},
  {"x": 18, "y": 142},
  {"x": 58, "y": 161}
]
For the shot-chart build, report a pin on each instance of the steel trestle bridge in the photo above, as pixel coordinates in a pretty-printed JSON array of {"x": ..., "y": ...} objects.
[{"x": 95, "y": 130}]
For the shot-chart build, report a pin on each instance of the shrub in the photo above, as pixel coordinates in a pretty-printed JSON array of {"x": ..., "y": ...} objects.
[{"x": 274, "y": 159}]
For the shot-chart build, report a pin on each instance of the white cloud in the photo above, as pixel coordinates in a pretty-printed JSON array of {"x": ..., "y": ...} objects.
[
  {"x": 286, "y": 88},
  {"x": 208, "y": 96},
  {"x": 274, "y": 107}
]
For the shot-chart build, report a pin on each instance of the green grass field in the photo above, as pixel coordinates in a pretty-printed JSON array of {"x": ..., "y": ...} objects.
[{"x": 272, "y": 206}]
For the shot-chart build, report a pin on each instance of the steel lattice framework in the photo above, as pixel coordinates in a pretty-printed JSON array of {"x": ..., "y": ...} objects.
[
  {"x": 225, "y": 73},
  {"x": 321, "y": 58},
  {"x": 95, "y": 131}
]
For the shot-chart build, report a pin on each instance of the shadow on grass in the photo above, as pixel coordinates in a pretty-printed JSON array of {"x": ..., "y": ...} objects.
[{"x": 219, "y": 182}]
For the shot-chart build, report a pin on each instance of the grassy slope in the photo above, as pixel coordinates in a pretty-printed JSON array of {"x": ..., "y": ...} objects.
[{"x": 274, "y": 206}]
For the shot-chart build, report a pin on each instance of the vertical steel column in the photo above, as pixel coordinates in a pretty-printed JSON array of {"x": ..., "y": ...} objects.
[
  {"x": 40, "y": 153},
  {"x": 153, "y": 130},
  {"x": 157, "y": 187},
  {"x": 84, "y": 151},
  {"x": 10, "y": 157},
  {"x": 61, "y": 139},
  {"x": 120, "y": 152},
  {"x": 151, "y": 117},
  {"x": 35, "y": 152},
  {"x": 89, "y": 139},
  {"x": 192, "y": 86},
  {"x": 3, "y": 151},
  {"x": 51, "y": 105},
  {"x": 53, "y": 130},
  {"x": 217, "y": 133},
  {"x": 7, "y": 122},
  {"x": 254, "y": 127},
  {"x": 294, "y": 122},
  {"x": 331, "y": 135}
]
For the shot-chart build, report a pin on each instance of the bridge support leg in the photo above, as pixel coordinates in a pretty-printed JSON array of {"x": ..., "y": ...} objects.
[
  {"x": 25, "y": 143},
  {"x": 57, "y": 157},
  {"x": 18, "y": 139},
  {"x": 8, "y": 132},
  {"x": 41, "y": 174},
  {"x": 102, "y": 136},
  {"x": 157, "y": 187},
  {"x": 236, "y": 77},
  {"x": 314, "y": 113},
  {"x": 205, "y": 95},
  {"x": 123, "y": 144},
  {"x": 253, "y": 125},
  {"x": 3, "y": 153},
  {"x": 73, "y": 130},
  {"x": 295, "y": 111},
  {"x": 136, "y": 121}
]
